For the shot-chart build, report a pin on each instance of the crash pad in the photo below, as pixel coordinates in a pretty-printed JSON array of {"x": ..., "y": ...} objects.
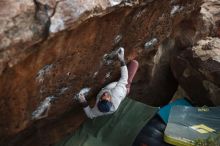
[
  {"x": 164, "y": 112},
  {"x": 118, "y": 129},
  {"x": 188, "y": 124}
]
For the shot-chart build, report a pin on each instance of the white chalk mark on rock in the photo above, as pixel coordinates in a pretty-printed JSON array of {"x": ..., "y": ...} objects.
[
  {"x": 151, "y": 43},
  {"x": 43, "y": 108},
  {"x": 63, "y": 90},
  {"x": 108, "y": 75},
  {"x": 176, "y": 9},
  {"x": 117, "y": 39},
  {"x": 45, "y": 70},
  {"x": 95, "y": 74}
]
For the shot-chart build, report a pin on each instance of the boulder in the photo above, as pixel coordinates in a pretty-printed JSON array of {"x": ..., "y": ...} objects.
[
  {"x": 197, "y": 70},
  {"x": 194, "y": 62},
  {"x": 52, "y": 49}
]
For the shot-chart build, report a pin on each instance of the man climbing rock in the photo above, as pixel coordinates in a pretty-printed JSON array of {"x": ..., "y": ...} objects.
[{"x": 110, "y": 97}]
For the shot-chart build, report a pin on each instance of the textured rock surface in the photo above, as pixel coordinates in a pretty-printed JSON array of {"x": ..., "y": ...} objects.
[
  {"x": 198, "y": 69},
  {"x": 51, "y": 49},
  {"x": 20, "y": 28},
  {"x": 25, "y": 23},
  {"x": 196, "y": 62}
]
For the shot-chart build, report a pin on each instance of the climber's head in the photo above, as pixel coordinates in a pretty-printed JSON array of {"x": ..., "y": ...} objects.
[{"x": 105, "y": 103}]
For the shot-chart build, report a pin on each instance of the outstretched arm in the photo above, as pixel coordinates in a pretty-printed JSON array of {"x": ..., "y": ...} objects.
[
  {"x": 124, "y": 76},
  {"x": 120, "y": 89},
  {"x": 90, "y": 112}
]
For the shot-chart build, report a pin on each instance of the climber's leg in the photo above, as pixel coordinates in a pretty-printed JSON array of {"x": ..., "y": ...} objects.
[{"x": 132, "y": 69}]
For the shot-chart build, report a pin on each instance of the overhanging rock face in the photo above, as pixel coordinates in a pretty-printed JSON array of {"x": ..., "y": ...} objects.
[{"x": 51, "y": 49}]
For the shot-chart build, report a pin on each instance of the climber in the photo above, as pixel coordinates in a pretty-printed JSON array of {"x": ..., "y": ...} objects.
[{"x": 110, "y": 97}]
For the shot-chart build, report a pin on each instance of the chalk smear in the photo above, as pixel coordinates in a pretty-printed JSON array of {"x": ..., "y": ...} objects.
[
  {"x": 84, "y": 91},
  {"x": 42, "y": 108}
]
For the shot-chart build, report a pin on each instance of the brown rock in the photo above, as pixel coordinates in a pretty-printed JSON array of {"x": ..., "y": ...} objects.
[
  {"x": 198, "y": 71},
  {"x": 21, "y": 26},
  {"x": 210, "y": 10},
  {"x": 61, "y": 48}
]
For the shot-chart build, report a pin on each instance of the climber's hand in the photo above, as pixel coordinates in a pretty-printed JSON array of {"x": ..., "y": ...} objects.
[
  {"x": 121, "y": 54},
  {"x": 81, "y": 98}
]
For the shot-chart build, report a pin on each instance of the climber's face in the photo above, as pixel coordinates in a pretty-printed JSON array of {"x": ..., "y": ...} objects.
[{"x": 106, "y": 96}]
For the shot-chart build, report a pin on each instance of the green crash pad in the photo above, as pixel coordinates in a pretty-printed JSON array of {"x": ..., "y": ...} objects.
[{"x": 118, "y": 129}]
